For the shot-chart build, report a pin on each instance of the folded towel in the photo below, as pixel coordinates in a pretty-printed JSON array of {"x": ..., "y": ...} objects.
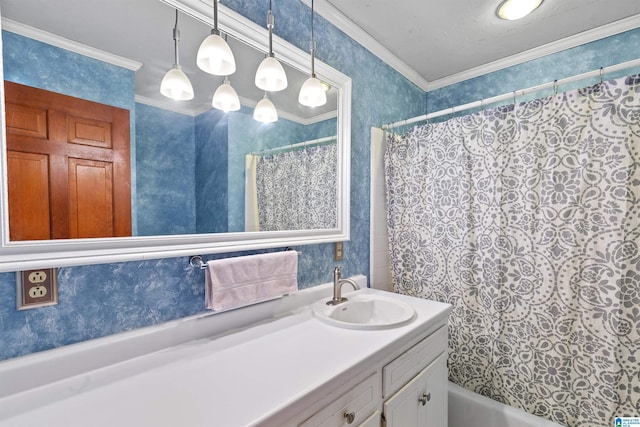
[{"x": 241, "y": 281}]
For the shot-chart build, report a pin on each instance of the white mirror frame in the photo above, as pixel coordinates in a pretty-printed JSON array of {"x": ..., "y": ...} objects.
[{"x": 25, "y": 255}]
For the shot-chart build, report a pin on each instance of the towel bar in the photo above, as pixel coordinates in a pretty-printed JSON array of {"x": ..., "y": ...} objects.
[{"x": 196, "y": 261}]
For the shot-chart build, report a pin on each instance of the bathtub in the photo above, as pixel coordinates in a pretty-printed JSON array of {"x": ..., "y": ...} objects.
[{"x": 469, "y": 409}]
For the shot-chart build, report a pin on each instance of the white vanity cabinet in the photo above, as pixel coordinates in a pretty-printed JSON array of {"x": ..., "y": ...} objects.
[
  {"x": 194, "y": 372},
  {"x": 423, "y": 401},
  {"x": 415, "y": 385},
  {"x": 407, "y": 390}
]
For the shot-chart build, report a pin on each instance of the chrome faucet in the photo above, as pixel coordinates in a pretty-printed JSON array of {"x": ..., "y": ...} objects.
[{"x": 337, "y": 287}]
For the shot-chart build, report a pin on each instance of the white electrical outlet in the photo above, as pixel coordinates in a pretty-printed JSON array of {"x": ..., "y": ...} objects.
[
  {"x": 36, "y": 288},
  {"x": 38, "y": 291},
  {"x": 37, "y": 276}
]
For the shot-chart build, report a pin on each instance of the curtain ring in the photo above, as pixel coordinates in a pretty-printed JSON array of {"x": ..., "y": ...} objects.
[
  {"x": 514, "y": 98},
  {"x": 555, "y": 87},
  {"x": 601, "y": 71}
]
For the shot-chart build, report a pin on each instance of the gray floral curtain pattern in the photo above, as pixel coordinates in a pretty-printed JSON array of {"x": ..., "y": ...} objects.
[
  {"x": 297, "y": 189},
  {"x": 526, "y": 219}
]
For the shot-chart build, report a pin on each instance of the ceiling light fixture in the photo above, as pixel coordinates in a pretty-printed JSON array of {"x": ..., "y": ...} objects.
[
  {"x": 175, "y": 83},
  {"x": 312, "y": 93},
  {"x": 265, "y": 111},
  {"x": 270, "y": 74},
  {"x": 225, "y": 98},
  {"x": 214, "y": 55},
  {"x": 516, "y": 9}
]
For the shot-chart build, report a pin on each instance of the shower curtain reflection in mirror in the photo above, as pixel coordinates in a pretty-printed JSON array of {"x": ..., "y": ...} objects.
[{"x": 292, "y": 187}]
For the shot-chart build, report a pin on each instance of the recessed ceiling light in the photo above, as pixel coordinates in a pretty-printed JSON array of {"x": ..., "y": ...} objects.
[{"x": 516, "y": 9}]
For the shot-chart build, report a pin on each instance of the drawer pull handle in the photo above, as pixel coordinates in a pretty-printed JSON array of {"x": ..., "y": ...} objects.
[
  {"x": 424, "y": 398},
  {"x": 350, "y": 417}
]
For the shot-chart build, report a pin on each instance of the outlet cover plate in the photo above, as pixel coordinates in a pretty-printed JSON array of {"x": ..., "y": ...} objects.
[
  {"x": 338, "y": 251},
  {"x": 36, "y": 288}
]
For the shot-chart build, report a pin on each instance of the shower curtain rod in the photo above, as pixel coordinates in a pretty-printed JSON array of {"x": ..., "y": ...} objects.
[
  {"x": 514, "y": 94},
  {"x": 297, "y": 145}
]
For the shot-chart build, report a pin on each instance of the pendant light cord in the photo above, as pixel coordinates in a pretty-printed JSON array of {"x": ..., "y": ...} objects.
[
  {"x": 313, "y": 45},
  {"x": 215, "y": 18},
  {"x": 176, "y": 38},
  {"x": 270, "y": 25}
]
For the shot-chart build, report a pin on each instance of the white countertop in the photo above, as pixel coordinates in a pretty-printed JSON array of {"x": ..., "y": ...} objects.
[{"x": 239, "y": 379}]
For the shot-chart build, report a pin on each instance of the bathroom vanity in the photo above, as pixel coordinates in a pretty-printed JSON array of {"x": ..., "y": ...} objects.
[{"x": 271, "y": 364}]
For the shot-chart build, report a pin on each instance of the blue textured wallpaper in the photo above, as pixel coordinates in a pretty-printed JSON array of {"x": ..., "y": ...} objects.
[
  {"x": 165, "y": 155},
  {"x": 212, "y": 192},
  {"x": 130, "y": 295},
  {"x": 40, "y": 65}
]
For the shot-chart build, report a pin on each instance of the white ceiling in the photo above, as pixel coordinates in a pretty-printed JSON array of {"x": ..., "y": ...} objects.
[{"x": 439, "y": 42}]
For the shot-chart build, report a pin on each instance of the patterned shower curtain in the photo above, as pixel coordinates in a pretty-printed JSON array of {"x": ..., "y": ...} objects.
[
  {"x": 526, "y": 219},
  {"x": 297, "y": 190}
]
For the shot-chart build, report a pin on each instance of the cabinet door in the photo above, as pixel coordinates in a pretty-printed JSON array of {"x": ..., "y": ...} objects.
[{"x": 422, "y": 402}]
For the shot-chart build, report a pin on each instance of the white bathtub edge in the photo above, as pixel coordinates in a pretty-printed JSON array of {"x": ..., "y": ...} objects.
[{"x": 469, "y": 409}]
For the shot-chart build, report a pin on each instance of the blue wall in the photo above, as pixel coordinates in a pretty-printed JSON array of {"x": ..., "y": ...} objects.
[
  {"x": 99, "y": 300},
  {"x": 212, "y": 186},
  {"x": 165, "y": 153},
  {"x": 29, "y": 62}
]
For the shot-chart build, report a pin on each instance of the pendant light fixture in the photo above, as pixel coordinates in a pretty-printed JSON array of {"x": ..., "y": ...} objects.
[
  {"x": 175, "y": 83},
  {"x": 265, "y": 111},
  {"x": 270, "y": 74},
  {"x": 214, "y": 55},
  {"x": 312, "y": 93},
  {"x": 225, "y": 98}
]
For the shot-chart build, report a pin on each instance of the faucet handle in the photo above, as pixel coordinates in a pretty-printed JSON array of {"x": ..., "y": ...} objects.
[{"x": 337, "y": 272}]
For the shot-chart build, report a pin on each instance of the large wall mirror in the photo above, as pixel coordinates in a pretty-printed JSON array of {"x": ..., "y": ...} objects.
[{"x": 196, "y": 180}]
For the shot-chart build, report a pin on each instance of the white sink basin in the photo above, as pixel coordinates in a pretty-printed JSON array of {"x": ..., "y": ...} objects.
[{"x": 365, "y": 311}]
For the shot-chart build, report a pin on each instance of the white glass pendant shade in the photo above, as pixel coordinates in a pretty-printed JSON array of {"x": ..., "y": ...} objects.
[
  {"x": 176, "y": 85},
  {"x": 215, "y": 56},
  {"x": 312, "y": 93},
  {"x": 265, "y": 111},
  {"x": 270, "y": 75},
  {"x": 516, "y": 9},
  {"x": 225, "y": 98}
]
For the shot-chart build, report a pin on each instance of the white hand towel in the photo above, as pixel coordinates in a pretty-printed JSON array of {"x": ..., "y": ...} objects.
[{"x": 241, "y": 281}]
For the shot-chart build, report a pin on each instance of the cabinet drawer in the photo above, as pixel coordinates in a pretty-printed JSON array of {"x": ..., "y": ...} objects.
[
  {"x": 401, "y": 370},
  {"x": 361, "y": 400}
]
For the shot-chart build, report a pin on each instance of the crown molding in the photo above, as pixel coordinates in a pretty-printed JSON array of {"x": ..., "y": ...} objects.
[
  {"x": 579, "y": 39},
  {"x": 70, "y": 45},
  {"x": 351, "y": 29}
]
